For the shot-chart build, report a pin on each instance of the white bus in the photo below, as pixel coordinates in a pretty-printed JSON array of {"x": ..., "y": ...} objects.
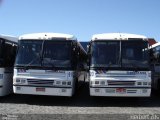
[
  {"x": 48, "y": 64},
  {"x": 119, "y": 65},
  {"x": 8, "y": 46},
  {"x": 155, "y": 65}
]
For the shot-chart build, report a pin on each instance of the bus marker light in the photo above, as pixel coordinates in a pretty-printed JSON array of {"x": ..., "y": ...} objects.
[
  {"x": 97, "y": 90},
  {"x": 63, "y": 90},
  {"x": 144, "y": 91},
  {"x": 64, "y": 83},
  {"x": 18, "y": 88},
  {"x": 96, "y": 82}
]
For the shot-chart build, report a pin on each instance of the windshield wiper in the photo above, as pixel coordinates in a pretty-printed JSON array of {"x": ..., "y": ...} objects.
[{"x": 38, "y": 56}]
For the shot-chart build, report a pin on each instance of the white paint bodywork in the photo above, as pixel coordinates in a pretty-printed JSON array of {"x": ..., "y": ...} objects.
[
  {"x": 116, "y": 36},
  {"x": 47, "y": 36},
  {"x": 113, "y": 80},
  {"x": 44, "y": 76},
  {"x": 10, "y": 38}
]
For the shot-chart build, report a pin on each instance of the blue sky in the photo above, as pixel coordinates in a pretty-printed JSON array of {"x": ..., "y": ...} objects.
[{"x": 82, "y": 18}]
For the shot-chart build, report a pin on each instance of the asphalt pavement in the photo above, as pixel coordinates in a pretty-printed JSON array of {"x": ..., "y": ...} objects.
[{"x": 80, "y": 106}]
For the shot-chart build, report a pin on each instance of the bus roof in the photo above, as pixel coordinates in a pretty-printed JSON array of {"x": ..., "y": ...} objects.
[
  {"x": 155, "y": 45},
  {"x": 47, "y": 36},
  {"x": 9, "y": 38},
  {"x": 116, "y": 36}
]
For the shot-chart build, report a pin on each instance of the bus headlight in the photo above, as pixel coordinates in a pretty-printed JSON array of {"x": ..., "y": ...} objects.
[
  {"x": 145, "y": 83},
  {"x": 63, "y": 83},
  {"x": 58, "y": 82},
  {"x": 18, "y": 80},
  {"x": 96, "y": 82},
  {"x": 69, "y": 83},
  {"x": 22, "y": 81},
  {"x": 139, "y": 83},
  {"x": 102, "y": 83}
]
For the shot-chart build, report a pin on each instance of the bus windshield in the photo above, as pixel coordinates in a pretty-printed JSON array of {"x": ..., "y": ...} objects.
[
  {"x": 135, "y": 54},
  {"x": 105, "y": 54},
  {"x": 120, "y": 54},
  {"x": 29, "y": 52},
  {"x": 57, "y": 54},
  {"x": 41, "y": 53}
]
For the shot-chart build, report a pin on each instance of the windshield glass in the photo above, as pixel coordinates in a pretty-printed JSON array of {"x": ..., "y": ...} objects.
[
  {"x": 105, "y": 54},
  {"x": 57, "y": 54},
  {"x": 29, "y": 53},
  {"x": 43, "y": 53},
  {"x": 135, "y": 54}
]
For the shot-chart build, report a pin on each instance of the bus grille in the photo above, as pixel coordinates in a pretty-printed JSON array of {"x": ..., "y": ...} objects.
[
  {"x": 121, "y": 83},
  {"x": 40, "y": 82}
]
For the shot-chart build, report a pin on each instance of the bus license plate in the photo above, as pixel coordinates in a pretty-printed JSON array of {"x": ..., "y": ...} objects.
[
  {"x": 40, "y": 89},
  {"x": 121, "y": 90}
]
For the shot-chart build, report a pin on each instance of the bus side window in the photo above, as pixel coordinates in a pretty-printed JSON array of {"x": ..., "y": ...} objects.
[{"x": 9, "y": 55}]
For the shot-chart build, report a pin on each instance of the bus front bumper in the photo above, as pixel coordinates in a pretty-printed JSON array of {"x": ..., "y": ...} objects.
[
  {"x": 120, "y": 92},
  {"x": 50, "y": 91}
]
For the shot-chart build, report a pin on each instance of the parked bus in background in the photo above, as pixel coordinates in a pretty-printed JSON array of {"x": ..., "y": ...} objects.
[
  {"x": 119, "y": 65},
  {"x": 84, "y": 45},
  {"x": 48, "y": 64},
  {"x": 8, "y": 46},
  {"x": 155, "y": 65}
]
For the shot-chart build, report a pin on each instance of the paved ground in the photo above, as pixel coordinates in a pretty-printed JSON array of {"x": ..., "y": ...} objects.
[{"x": 80, "y": 104}]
